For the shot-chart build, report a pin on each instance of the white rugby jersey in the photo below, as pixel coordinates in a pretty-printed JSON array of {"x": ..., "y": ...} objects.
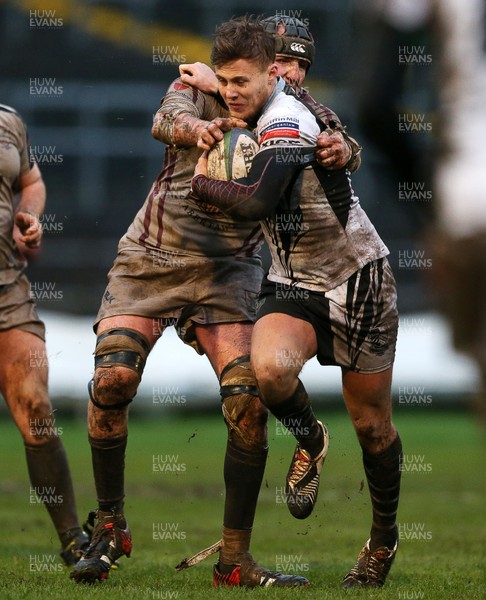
[{"x": 318, "y": 235}]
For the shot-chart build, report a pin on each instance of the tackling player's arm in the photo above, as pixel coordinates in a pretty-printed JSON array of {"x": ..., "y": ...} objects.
[
  {"x": 254, "y": 197},
  {"x": 31, "y": 192},
  {"x": 181, "y": 130},
  {"x": 336, "y": 149},
  {"x": 179, "y": 120},
  {"x": 200, "y": 76}
]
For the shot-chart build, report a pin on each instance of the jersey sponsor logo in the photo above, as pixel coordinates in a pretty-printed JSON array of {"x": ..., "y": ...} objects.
[
  {"x": 180, "y": 86},
  {"x": 280, "y": 142},
  {"x": 296, "y": 47},
  {"x": 279, "y": 119},
  {"x": 281, "y": 129}
]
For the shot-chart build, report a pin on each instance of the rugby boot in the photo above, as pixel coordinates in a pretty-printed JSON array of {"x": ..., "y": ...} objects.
[
  {"x": 111, "y": 539},
  {"x": 371, "y": 568},
  {"x": 249, "y": 574},
  {"x": 74, "y": 549},
  {"x": 302, "y": 482}
]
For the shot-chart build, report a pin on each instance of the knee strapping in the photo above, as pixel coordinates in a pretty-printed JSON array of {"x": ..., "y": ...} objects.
[
  {"x": 119, "y": 347},
  {"x": 122, "y": 347},
  {"x": 237, "y": 378},
  {"x": 242, "y": 410}
]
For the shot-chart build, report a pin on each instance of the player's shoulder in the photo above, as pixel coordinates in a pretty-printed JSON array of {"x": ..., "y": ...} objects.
[
  {"x": 286, "y": 99},
  {"x": 180, "y": 94},
  {"x": 179, "y": 87},
  {"x": 286, "y": 102},
  {"x": 184, "y": 90},
  {"x": 326, "y": 114},
  {"x": 287, "y": 119}
]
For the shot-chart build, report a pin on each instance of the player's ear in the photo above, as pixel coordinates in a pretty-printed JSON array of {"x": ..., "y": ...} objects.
[{"x": 272, "y": 71}]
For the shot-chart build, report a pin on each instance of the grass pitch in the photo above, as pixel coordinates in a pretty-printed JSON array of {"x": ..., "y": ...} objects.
[{"x": 174, "y": 506}]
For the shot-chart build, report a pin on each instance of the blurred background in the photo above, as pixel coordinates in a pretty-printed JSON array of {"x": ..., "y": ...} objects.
[{"x": 87, "y": 77}]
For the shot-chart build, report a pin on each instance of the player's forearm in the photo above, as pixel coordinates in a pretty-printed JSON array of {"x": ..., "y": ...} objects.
[
  {"x": 244, "y": 199},
  {"x": 237, "y": 200},
  {"x": 256, "y": 196},
  {"x": 33, "y": 199},
  {"x": 32, "y": 193},
  {"x": 354, "y": 162},
  {"x": 182, "y": 130}
]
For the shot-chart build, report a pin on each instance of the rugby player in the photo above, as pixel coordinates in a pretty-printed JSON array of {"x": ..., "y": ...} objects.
[
  {"x": 340, "y": 294},
  {"x": 295, "y": 53},
  {"x": 23, "y": 356}
]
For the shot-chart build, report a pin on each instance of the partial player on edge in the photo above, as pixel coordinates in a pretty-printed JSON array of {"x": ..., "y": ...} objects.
[{"x": 23, "y": 381}]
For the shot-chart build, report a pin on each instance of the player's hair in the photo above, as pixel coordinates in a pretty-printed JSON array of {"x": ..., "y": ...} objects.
[{"x": 242, "y": 37}]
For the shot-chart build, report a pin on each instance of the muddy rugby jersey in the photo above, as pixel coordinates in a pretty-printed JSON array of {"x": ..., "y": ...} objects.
[{"x": 170, "y": 219}]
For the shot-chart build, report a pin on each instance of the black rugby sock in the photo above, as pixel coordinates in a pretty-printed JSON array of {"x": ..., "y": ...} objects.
[
  {"x": 383, "y": 474},
  {"x": 108, "y": 459},
  {"x": 243, "y": 475},
  {"x": 50, "y": 480},
  {"x": 297, "y": 416}
]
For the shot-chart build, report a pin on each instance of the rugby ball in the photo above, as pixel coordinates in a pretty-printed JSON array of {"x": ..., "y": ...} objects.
[{"x": 231, "y": 157}]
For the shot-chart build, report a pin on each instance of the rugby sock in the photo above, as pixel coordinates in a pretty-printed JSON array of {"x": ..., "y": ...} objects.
[
  {"x": 108, "y": 459},
  {"x": 383, "y": 475},
  {"x": 297, "y": 416},
  {"x": 50, "y": 480},
  {"x": 243, "y": 475}
]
